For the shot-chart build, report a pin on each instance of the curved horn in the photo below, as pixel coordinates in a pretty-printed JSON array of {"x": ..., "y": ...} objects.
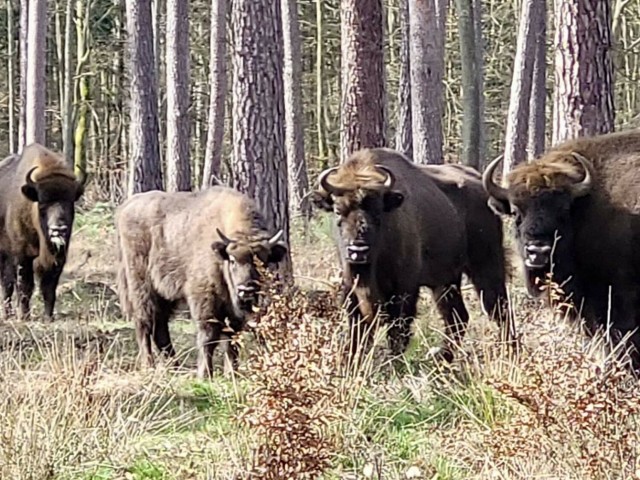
[
  {"x": 82, "y": 178},
  {"x": 492, "y": 188},
  {"x": 273, "y": 240},
  {"x": 390, "y": 179},
  {"x": 28, "y": 178},
  {"x": 323, "y": 180},
  {"x": 584, "y": 187},
  {"x": 225, "y": 239}
]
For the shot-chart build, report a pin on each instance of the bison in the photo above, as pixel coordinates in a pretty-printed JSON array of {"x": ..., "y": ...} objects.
[
  {"x": 576, "y": 223},
  {"x": 38, "y": 191},
  {"x": 196, "y": 247},
  {"x": 402, "y": 226}
]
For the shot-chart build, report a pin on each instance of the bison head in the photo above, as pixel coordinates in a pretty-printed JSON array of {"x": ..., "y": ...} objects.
[
  {"x": 55, "y": 196},
  {"x": 359, "y": 206},
  {"x": 541, "y": 197},
  {"x": 240, "y": 270}
]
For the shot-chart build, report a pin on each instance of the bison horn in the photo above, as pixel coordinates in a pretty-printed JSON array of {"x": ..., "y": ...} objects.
[
  {"x": 273, "y": 240},
  {"x": 82, "y": 178},
  {"x": 584, "y": 187},
  {"x": 323, "y": 180},
  {"x": 390, "y": 177},
  {"x": 225, "y": 239},
  {"x": 28, "y": 178},
  {"x": 493, "y": 189}
]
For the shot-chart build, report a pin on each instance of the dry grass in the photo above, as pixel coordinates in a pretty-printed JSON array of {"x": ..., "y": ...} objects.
[{"x": 73, "y": 406}]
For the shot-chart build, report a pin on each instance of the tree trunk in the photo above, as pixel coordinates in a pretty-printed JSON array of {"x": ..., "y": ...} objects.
[
  {"x": 178, "y": 125},
  {"x": 36, "y": 79},
  {"x": 11, "y": 74},
  {"x": 146, "y": 172},
  {"x": 516, "y": 137},
  {"x": 471, "y": 115},
  {"x": 67, "y": 107},
  {"x": 583, "y": 97},
  {"x": 260, "y": 167},
  {"x": 24, "y": 32},
  {"x": 404, "y": 134},
  {"x": 83, "y": 53},
  {"x": 320, "y": 91},
  {"x": 294, "y": 118},
  {"x": 477, "y": 21},
  {"x": 538, "y": 102},
  {"x": 218, "y": 80},
  {"x": 363, "y": 94},
  {"x": 427, "y": 28}
]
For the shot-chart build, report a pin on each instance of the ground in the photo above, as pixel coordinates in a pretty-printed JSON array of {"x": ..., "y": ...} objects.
[{"x": 74, "y": 405}]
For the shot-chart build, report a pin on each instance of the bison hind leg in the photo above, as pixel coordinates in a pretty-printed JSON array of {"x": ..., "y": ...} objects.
[
  {"x": 7, "y": 283},
  {"x": 161, "y": 337},
  {"x": 451, "y": 306}
]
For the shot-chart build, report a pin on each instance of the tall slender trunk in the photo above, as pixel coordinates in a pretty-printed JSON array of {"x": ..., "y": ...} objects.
[
  {"x": 36, "y": 69},
  {"x": 67, "y": 107},
  {"x": 11, "y": 74},
  {"x": 427, "y": 27},
  {"x": 404, "y": 132},
  {"x": 294, "y": 118},
  {"x": 218, "y": 80},
  {"x": 538, "y": 102},
  {"x": 24, "y": 32},
  {"x": 82, "y": 89},
  {"x": 363, "y": 94},
  {"x": 178, "y": 125},
  {"x": 320, "y": 92}
]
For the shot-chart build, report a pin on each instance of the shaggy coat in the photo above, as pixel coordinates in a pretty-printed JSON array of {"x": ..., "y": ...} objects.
[
  {"x": 38, "y": 191},
  {"x": 401, "y": 227},
  {"x": 576, "y": 216},
  {"x": 196, "y": 247}
]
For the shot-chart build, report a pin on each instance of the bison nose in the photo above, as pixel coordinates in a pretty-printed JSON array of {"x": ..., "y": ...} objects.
[{"x": 536, "y": 255}]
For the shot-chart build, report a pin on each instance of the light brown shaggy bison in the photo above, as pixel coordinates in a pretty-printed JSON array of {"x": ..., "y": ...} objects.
[
  {"x": 195, "y": 247},
  {"x": 403, "y": 226},
  {"x": 576, "y": 221},
  {"x": 38, "y": 191}
]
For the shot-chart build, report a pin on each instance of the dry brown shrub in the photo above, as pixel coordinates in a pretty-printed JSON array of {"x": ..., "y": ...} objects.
[{"x": 294, "y": 371}]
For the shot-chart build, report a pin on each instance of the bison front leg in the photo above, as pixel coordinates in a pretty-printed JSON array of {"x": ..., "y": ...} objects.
[
  {"x": 208, "y": 337},
  {"x": 161, "y": 335},
  {"x": 402, "y": 311},
  {"x": 48, "y": 286},
  {"x": 7, "y": 283},
  {"x": 25, "y": 286},
  {"x": 451, "y": 306}
]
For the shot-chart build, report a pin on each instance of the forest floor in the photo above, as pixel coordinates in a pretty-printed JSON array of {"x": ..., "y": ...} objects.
[{"x": 74, "y": 406}]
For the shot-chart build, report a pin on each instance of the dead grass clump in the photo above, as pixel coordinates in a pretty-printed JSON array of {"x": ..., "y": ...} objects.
[{"x": 294, "y": 370}]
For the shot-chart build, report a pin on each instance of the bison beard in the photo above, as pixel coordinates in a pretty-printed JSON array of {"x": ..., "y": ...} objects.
[
  {"x": 402, "y": 227},
  {"x": 201, "y": 248},
  {"x": 576, "y": 219},
  {"x": 38, "y": 192}
]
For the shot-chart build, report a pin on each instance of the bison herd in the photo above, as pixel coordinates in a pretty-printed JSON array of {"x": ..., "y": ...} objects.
[{"x": 399, "y": 226}]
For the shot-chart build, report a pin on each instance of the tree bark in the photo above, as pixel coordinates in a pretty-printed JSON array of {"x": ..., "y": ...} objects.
[
  {"x": 36, "y": 79},
  {"x": 471, "y": 115},
  {"x": 67, "y": 90},
  {"x": 11, "y": 74},
  {"x": 477, "y": 21},
  {"x": 363, "y": 94},
  {"x": 516, "y": 138},
  {"x": 538, "y": 102},
  {"x": 178, "y": 125},
  {"x": 260, "y": 167},
  {"x": 427, "y": 27},
  {"x": 583, "y": 97},
  {"x": 218, "y": 80},
  {"x": 404, "y": 133},
  {"x": 294, "y": 118},
  {"x": 24, "y": 32},
  {"x": 145, "y": 172},
  {"x": 82, "y": 88}
]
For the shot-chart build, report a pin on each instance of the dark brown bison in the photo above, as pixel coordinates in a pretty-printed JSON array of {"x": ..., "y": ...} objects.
[
  {"x": 576, "y": 222},
  {"x": 402, "y": 226},
  {"x": 195, "y": 247},
  {"x": 38, "y": 191}
]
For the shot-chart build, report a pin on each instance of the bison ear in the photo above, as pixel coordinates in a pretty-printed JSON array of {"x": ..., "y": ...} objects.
[
  {"x": 322, "y": 200},
  {"x": 499, "y": 207},
  {"x": 30, "y": 192},
  {"x": 277, "y": 253},
  {"x": 392, "y": 200},
  {"x": 221, "y": 249}
]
